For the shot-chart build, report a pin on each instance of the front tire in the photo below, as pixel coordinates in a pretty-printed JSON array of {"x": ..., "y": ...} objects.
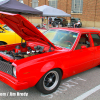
[{"x": 50, "y": 81}]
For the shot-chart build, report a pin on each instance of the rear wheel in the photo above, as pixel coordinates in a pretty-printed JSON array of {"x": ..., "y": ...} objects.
[{"x": 50, "y": 81}]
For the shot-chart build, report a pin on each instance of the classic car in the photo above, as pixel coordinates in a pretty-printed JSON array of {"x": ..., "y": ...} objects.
[
  {"x": 61, "y": 21},
  {"x": 8, "y": 36},
  {"x": 73, "y": 21},
  {"x": 44, "y": 60},
  {"x": 6, "y": 32}
]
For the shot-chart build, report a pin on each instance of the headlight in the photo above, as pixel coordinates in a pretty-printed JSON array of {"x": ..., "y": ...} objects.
[{"x": 14, "y": 71}]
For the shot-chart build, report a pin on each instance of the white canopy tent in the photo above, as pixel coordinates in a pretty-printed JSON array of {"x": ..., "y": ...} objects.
[{"x": 49, "y": 11}]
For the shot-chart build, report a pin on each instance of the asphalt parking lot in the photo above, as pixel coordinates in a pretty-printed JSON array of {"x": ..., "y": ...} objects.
[{"x": 83, "y": 86}]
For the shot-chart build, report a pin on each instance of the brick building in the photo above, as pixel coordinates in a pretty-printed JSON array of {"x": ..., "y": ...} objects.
[{"x": 87, "y": 10}]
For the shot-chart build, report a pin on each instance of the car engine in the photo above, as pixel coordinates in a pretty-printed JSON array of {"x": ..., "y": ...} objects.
[{"x": 17, "y": 53}]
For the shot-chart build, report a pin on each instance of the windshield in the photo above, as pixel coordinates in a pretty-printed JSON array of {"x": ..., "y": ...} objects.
[
  {"x": 7, "y": 28},
  {"x": 73, "y": 20},
  {"x": 61, "y": 38}
]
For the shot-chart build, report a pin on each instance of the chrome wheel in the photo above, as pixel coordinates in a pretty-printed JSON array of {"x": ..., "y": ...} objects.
[{"x": 51, "y": 80}]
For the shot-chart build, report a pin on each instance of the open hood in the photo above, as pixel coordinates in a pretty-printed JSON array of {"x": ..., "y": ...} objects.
[{"x": 24, "y": 28}]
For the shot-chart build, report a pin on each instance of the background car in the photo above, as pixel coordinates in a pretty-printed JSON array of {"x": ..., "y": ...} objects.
[
  {"x": 8, "y": 36},
  {"x": 61, "y": 21},
  {"x": 73, "y": 21}
]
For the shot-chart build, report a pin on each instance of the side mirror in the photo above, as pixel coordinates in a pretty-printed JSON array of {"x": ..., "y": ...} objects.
[{"x": 83, "y": 47}]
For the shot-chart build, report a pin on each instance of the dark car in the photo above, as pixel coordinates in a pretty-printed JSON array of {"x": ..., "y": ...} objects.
[
  {"x": 61, "y": 21},
  {"x": 73, "y": 21}
]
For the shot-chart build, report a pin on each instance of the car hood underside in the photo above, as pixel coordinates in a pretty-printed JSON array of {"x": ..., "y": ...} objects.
[{"x": 24, "y": 28}]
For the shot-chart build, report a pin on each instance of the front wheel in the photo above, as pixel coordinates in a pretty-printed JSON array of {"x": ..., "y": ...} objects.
[{"x": 50, "y": 81}]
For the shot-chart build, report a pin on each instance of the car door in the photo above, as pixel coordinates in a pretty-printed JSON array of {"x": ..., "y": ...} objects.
[
  {"x": 96, "y": 44},
  {"x": 17, "y": 38},
  {"x": 82, "y": 58},
  {"x": 7, "y": 36}
]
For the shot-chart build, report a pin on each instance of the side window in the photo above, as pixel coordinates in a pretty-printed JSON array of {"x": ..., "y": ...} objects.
[
  {"x": 84, "y": 40},
  {"x": 96, "y": 39}
]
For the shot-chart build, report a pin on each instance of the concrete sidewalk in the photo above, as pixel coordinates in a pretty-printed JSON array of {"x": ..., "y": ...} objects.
[{"x": 92, "y": 27}]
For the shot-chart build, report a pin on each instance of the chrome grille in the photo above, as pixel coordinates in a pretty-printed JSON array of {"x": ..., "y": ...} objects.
[{"x": 6, "y": 67}]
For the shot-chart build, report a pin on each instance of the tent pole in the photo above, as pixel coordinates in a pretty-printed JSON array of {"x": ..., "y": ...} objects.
[
  {"x": 70, "y": 19},
  {"x": 47, "y": 23}
]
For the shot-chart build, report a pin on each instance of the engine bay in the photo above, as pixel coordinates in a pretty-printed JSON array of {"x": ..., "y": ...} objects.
[{"x": 19, "y": 53}]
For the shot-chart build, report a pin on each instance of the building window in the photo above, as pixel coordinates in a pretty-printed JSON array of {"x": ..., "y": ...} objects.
[
  {"x": 34, "y": 3},
  {"x": 77, "y": 6},
  {"x": 21, "y": 1},
  {"x": 53, "y": 3}
]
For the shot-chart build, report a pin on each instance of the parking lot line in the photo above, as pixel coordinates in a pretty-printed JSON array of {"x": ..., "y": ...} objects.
[{"x": 88, "y": 93}]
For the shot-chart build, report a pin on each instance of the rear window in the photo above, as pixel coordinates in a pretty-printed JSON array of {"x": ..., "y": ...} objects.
[
  {"x": 96, "y": 39},
  {"x": 95, "y": 36},
  {"x": 73, "y": 20}
]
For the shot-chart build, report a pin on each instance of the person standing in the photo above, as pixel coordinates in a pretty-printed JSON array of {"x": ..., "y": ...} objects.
[
  {"x": 42, "y": 21},
  {"x": 50, "y": 21}
]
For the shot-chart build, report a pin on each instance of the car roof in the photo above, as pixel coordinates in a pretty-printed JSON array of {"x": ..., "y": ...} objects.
[
  {"x": 75, "y": 18},
  {"x": 78, "y": 30}
]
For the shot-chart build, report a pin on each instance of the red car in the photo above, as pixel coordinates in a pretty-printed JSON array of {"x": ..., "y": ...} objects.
[{"x": 44, "y": 60}]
